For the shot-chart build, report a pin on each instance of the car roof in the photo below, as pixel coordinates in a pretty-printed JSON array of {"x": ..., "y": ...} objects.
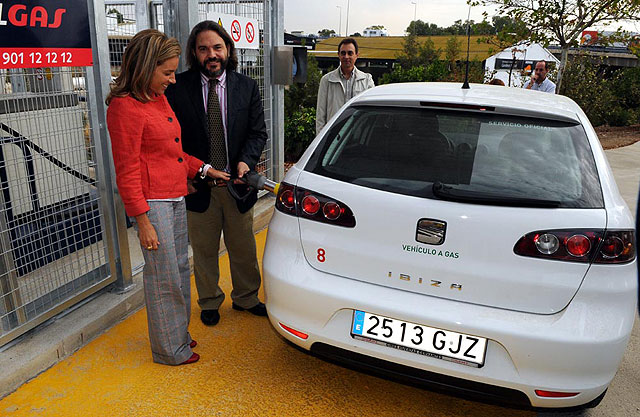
[{"x": 505, "y": 99}]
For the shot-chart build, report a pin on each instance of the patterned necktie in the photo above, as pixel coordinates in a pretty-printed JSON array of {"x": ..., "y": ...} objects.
[{"x": 217, "y": 146}]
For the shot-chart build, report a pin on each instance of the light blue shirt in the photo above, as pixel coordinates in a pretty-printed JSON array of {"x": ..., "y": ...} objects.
[{"x": 546, "y": 86}]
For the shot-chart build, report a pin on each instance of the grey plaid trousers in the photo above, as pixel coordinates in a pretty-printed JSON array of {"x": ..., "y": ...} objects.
[{"x": 167, "y": 284}]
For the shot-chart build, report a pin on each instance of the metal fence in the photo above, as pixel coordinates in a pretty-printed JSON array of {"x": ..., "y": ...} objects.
[
  {"x": 52, "y": 250},
  {"x": 61, "y": 236}
]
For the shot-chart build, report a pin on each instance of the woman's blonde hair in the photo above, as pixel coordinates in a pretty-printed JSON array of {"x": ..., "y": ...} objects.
[{"x": 147, "y": 49}]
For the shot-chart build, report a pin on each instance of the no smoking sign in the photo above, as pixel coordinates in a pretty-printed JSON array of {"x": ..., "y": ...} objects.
[
  {"x": 236, "y": 31},
  {"x": 235, "y": 26},
  {"x": 249, "y": 32}
]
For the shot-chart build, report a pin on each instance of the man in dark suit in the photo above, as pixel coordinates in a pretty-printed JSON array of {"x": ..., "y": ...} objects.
[{"x": 222, "y": 119}]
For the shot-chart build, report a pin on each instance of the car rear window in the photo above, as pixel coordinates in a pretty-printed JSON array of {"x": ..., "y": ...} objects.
[{"x": 475, "y": 154}]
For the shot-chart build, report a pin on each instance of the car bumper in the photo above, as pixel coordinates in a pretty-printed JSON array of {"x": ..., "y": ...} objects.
[{"x": 576, "y": 350}]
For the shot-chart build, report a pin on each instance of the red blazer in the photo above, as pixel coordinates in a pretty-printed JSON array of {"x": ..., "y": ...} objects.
[{"x": 147, "y": 152}]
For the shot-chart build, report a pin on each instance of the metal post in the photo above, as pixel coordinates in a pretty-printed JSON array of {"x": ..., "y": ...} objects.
[
  {"x": 179, "y": 17},
  {"x": 142, "y": 15},
  {"x": 347, "y": 28},
  {"x": 11, "y": 304},
  {"x": 276, "y": 22},
  {"x": 98, "y": 79}
]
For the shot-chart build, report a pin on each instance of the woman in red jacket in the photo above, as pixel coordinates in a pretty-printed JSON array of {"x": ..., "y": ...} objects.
[{"x": 151, "y": 174}]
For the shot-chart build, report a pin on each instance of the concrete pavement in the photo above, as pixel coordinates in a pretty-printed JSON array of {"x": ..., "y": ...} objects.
[{"x": 247, "y": 369}]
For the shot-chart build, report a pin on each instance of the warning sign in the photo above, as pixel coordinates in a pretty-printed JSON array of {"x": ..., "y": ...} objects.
[
  {"x": 236, "y": 31},
  {"x": 243, "y": 39},
  {"x": 249, "y": 32}
]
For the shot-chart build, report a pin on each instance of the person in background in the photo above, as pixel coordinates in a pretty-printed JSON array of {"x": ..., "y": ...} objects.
[
  {"x": 151, "y": 174},
  {"x": 496, "y": 81},
  {"x": 223, "y": 122},
  {"x": 539, "y": 80},
  {"x": 342, "y": 84}
]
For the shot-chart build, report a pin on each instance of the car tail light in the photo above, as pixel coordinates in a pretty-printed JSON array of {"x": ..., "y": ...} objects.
[
  {"x": 307, "y": 204},
  {"x": 310, "y": 204},
  {"x": 580, "y": 245},
  {"x": 332, "y": 210},
  {"x": 618, "y": 246},
  {"x": 555, "y": 394},
  {"x": 287, "y": 199}
]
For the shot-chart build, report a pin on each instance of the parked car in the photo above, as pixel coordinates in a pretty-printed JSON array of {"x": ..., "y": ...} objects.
[{"x": 473, "y": 239}]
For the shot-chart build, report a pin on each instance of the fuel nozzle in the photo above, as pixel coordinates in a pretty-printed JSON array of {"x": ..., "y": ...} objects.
[{"x": 259, "y": 182}]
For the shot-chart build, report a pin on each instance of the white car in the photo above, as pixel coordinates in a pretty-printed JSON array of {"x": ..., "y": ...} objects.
[{"x": 473, "y": 239}]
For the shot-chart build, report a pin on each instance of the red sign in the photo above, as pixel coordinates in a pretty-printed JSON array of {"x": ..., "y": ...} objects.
[
  {"x": 37, "y": 33},
  {"x": 236, "y": 31},
  {"x": 249, "y": 32},
  {"x": 589, "y": 37},
  {"x": 45, "y": 57}
]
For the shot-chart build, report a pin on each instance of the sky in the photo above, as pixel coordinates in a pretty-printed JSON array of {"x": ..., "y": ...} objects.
[{"x": 311, "y": 16}]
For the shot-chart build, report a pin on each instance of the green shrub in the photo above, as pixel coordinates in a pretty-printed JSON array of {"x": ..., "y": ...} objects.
[
  {"x": 618, "y": 116},
  {"x": 436, "y": 71},
  {"x": 607, "y": 97},
  {"x": 300, "y": 112},
  {"x": 299, "y": 132}
]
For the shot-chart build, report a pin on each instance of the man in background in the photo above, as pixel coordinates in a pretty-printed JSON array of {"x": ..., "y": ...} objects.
[
  {"x": 539, "y": 80},
  {"x": 342, "y": 84}
]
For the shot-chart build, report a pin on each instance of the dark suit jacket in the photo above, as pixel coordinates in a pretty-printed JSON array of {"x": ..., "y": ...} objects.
[{"x": 246, "y": 129}]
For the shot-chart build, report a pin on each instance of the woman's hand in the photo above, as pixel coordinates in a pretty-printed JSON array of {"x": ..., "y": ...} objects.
[
  {"x": 221, "y": 175},
  {"x": 147, "y": 233}
]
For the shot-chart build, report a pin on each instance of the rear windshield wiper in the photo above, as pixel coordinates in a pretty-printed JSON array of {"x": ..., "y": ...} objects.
[{"x": 448, "y": 192}]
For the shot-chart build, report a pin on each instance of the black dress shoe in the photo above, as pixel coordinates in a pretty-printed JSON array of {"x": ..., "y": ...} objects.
[
  {"x": 257, "y": 310},
  {"x": 210, "y": 317}
]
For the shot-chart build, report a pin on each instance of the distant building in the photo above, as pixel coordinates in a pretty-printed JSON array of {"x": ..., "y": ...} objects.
[
  {"x": 369, "y": 33},
  {"x": 595, "y": 38}
]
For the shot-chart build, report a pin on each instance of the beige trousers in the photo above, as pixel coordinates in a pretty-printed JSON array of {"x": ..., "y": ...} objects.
[{"x": 204, "y": 234}]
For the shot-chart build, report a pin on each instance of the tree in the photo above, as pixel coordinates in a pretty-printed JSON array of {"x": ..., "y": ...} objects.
[
  {"x": 510, "y": 34},
  {"x": 427, "y": 53},
  {"x": 411, "y": 49},
  {"x": 563, "y": 21},
  {"x": 326, "y": 33},
  {"x": 376, "y": 27},
  {"x": 420, "y": 28},
  {"x": 452, "y": 49},
  {"x": 416, "y": 54}
]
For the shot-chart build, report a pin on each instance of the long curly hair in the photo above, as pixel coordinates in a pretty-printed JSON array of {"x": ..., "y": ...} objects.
[
  {"x": 192, "y": 60},
  {"x": 147, "y": 49}
]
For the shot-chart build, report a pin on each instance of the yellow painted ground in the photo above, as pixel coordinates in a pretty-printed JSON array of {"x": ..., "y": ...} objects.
[{"x": 245, "y": 369}]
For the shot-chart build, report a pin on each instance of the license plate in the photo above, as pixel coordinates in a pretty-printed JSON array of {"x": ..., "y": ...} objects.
[{"x": 424, "y": 340}]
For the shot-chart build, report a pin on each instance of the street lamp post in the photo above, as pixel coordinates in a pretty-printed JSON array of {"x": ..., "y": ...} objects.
[
  {"x": 340, "y": 25},
  {"x": 347, "y": 28},
  {"x": 415, "y": 9}
]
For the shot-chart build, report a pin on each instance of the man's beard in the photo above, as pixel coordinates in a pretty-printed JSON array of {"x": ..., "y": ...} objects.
[{"x": 202, "y": 66}]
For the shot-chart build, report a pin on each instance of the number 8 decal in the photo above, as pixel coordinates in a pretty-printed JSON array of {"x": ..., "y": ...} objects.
[{"x": 321, "y": 257}]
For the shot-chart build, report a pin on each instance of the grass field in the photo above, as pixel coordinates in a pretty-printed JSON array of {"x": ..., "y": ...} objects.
[{"x": 389, "y": 47}]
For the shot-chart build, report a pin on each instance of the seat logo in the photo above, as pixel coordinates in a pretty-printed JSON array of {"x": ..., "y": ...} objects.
[{"x": 431, "y": 232}]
